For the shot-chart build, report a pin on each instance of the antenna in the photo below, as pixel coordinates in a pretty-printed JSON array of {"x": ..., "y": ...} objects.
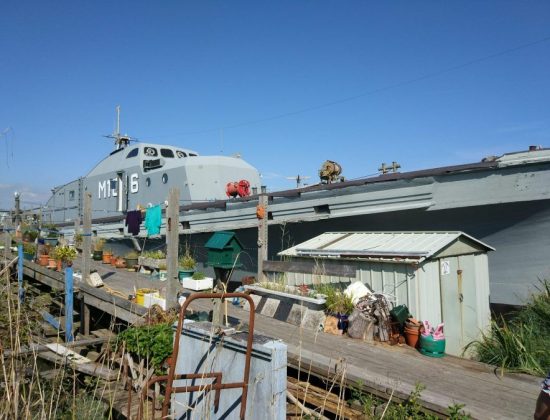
[
  {"x": 121, "y": 141},
  {"x": 117, "y": 121},
  {"x": 299, "y": 179},
  {"x": 384, "y": 168}
]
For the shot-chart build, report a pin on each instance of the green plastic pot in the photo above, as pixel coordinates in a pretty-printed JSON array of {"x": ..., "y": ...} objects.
[
  {"x": 431, "y": 347},
  {"x": 183, "y": 273}
]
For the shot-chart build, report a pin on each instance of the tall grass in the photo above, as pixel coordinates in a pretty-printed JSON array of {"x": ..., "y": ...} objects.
[{"x": 521, "y": 344}]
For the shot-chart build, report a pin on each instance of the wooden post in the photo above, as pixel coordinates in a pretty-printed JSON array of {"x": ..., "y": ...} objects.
[
  {"x": 69, "y": 304},
  {"x": 20, "y": 272},
  {"x": 172, "y": 247},
  {"x": 76, "y": 227},
  {"x": 87, "y": 237},
  {"x": 84, "y": 317},
  {"x": 86, "y": 251},
  {"x": 7, "y": 239},
  {"x": 262, "y": 235}
]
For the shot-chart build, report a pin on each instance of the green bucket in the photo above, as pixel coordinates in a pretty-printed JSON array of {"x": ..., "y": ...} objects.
[
  {"x": 185, "y": 273},
  {"x": 430, "y": 347}
]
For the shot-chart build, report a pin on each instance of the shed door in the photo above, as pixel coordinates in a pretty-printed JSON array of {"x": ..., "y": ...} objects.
[{"x": 452, "y": 299}]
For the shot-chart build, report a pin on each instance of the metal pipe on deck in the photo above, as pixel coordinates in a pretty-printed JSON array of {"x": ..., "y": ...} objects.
[
  {"x": 21, "y": 293},
  {"x": 69, "y": 304}
]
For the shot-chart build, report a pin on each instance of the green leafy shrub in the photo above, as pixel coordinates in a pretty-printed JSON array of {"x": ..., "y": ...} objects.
[
  {"x": 151, "y": 342},
  {"x": 65, "y": 253},
  {"x": 29, "y": 248}
]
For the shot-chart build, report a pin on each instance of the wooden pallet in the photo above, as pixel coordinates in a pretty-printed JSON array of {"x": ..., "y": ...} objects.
[
  {"x": 323, "y": 400},
  {"x": 116, "y": 396}
]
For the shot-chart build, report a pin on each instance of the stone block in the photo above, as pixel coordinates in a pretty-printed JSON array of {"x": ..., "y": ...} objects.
[
  {"x": 312, "y": 320},
  {"x": 296, "y": 314},
  {"x": 255, "y": 298},
  {"x": 270, "y": 307}
]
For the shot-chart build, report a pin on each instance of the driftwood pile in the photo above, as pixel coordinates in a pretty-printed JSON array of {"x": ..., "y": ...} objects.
[{"x": 371, "y": 317}]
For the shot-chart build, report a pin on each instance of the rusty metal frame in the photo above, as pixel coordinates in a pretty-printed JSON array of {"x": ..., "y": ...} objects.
[{"x": 216, "y": 385}]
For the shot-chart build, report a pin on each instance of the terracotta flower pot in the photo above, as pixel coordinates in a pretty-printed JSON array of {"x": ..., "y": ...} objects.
[
  {"x": 52, "y": 263},
  {"x": 107, "y": 257},
  {"x": 59, "y": 265},
  {"x": 411, "y": 336},
  {"x": 43, "y": 261},
  {"x": 120, "y": 263},
  {"x": 114, "y": 260}
]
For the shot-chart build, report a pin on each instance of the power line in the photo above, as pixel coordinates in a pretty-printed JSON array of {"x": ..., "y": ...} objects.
[{"x": 365, "y": 93}]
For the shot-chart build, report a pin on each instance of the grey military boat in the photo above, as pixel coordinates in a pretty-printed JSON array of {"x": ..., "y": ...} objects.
[
  {"x": 503, "y": 201},
  {"x": 138, "y": 175}
]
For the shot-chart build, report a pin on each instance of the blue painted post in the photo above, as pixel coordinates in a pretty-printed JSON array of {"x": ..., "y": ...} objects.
[
  {"x": 20, "y": 272},
  {"x": 68, "y": 304}
]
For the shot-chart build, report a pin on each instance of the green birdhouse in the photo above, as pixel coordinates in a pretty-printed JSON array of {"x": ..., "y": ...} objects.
[{"x": 223, "y": 250}]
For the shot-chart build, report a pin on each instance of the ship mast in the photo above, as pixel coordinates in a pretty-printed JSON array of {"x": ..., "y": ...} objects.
[{"x": 121, "y": 141}]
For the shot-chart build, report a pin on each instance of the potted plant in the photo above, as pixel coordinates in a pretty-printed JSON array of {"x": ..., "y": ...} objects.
[
  {"x": 120, "y": 262},
  {"x": 98, "y": 249},
  {"x": 29, "y": 235},
  {"x": 199, "y": 275},
  {"x": 152, "y": 259},
  {"x": 65, "y": 255},
  {"x": 132, "y": 259},
  {"x": 29, "y": 249},
  {"x": 186, "y": 265},
  {"x": 197, "y": 282},
  {"x": 341, "y": 306},
  {"x": 44, "y": 255},
  {"x": 52, "y": 234},
  {"x": 52, "y": 258},
  {"x": 107, "y": 255}
]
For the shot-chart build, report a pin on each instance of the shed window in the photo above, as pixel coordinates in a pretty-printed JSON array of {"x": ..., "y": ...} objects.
[
  {"x": 133, "y": 153},
  {"x": 167, "y": 153},
  {"x": 71, "y": 195}
]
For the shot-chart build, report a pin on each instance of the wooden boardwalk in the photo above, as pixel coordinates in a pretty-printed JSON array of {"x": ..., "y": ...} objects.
[{"x": 382, "y": 369}]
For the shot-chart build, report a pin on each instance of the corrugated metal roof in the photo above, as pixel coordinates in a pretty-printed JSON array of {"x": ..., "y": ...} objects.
[{"x": 407, "y": 246}]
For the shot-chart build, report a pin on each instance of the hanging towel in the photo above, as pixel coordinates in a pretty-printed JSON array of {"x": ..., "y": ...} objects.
[
  {"x": 133, "y": 220},
  {"x": 153, "y": 217}
]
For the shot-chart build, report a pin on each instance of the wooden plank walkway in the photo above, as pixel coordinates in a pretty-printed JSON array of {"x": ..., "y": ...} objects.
[{"x": 382, "y": 369}]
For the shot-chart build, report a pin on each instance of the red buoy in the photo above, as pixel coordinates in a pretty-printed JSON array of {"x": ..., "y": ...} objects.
[{"x": 241, "y": 188}]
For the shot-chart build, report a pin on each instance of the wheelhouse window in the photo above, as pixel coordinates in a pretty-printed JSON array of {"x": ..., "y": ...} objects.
[
  {"x": 192, "y": 154},
  {"x": 133, "y": 153},
  {"x": 167, "y": 153},
  {"x": 181, "y": 154},
  {"x": 150, "y": 152}
]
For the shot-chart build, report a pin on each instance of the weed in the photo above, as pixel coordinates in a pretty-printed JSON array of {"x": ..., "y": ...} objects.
[
  {"x": 408, "y": 409},
  {"x": 456, "y": 412},
  {"x": 522, "y": 343}
]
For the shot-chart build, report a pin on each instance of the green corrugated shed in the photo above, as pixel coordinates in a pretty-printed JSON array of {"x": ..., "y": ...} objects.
[{"x": 223, "y": 250}]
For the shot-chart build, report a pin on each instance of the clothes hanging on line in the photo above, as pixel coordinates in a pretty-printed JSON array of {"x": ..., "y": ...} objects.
[
  {"x": 133, "y": 220},
  {"x": 153, "y": 219}
]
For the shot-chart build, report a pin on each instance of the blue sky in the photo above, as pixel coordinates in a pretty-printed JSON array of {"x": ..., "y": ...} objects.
[{"x": 183, "y": 71}]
